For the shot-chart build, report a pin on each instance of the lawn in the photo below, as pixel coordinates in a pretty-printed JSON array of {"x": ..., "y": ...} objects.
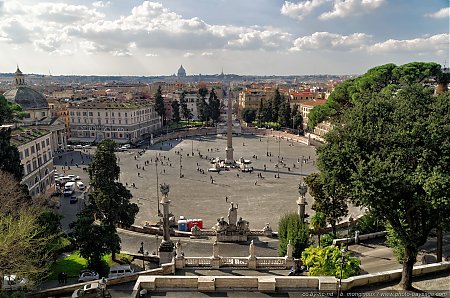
[{"x": 74, "y": 263}]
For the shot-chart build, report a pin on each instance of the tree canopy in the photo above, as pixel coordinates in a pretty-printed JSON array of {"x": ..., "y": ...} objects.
[
  {"x": 390, "y": 152},
  {"x": 384, "y": 78},
  {"x": 291, "y": 228},
  {"x": 159, "y": 104}
]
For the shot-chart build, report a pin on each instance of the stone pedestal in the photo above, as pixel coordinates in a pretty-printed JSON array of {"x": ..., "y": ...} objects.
[
  {"x": 229, "y": 236},
  {"x": 266, "y": 284},
  {"x": 215, "y": 262},
  {"x": 206, "y": 283},
  {"x": 252, "y": 262},
  {"x": 165, "y": 252}
]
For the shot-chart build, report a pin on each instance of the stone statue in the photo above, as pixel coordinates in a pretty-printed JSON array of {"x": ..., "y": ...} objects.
[
  {"x": 232, "y": 215},
  {"x": 164, "y": 188},
  {"x": 289, "y": 250},
  {"x": 196, "y": 231},
  {"x": 215, "y": 249},
  {"x": 251, "y": 249},
  {"x": 178, "y": 249}
]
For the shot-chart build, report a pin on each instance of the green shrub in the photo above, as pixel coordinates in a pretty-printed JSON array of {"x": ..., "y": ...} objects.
[
  {"x": 290, "y": 228},
  {"x": 326, "y": 240},
  {"x": 369, "y": 223},
  {"x": 326, "y": 261}
]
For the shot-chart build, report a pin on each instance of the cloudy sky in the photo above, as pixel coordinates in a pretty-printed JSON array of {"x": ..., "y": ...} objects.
[{"x": 136, "y": 37}]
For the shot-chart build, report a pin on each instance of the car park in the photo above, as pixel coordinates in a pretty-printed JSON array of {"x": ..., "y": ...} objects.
[
  {"x": 14, "y": 283},
  {"x": 88, "y": 275}
]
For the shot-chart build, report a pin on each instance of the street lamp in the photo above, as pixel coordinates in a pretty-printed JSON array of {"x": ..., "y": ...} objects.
[
  {"x": 279, "y": 145},
  {"x": 343, "y": 251},
  {"x": 141, "y": 250},
  {"x": 301, "y": 202},
  {"x": 181, "y": 176},
  {"x": 102, "y": 285}
]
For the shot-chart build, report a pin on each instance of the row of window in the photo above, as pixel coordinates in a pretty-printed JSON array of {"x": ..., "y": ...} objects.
[
  {"x": 37, "y": 162},
  {"x": 34, "y": 148},
  {"x": 112, "y": 114}
]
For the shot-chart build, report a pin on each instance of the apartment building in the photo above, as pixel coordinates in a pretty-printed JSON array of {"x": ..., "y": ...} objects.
[
  {"x": 36, "y": 156},
  {"x": 123, "y": 122}
]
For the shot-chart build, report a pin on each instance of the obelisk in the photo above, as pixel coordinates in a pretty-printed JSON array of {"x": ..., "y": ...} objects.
[{"x": 229, "y": 149}]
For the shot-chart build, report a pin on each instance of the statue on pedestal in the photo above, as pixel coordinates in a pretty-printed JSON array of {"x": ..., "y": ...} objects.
[{"x": 232, "y": 215}]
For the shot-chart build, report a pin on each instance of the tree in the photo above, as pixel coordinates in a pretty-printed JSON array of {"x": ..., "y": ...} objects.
[
  {"x": 202, "y": 105},
  {"x": 284, "y": 116},
  {"x": 187, "y": 114},
  {"x": 391, "y": 152},
  {"x": 176, "y": 111},
  {"x": 326, "y": 261},
  {"x": 248, "y": 115},
  {"x": 24, "y": 246},
  {"x": 383, "y": 78},
  {"x": 94, "y": 240},
  {"x": 159, "y": 105},
  {"x": 276, "y": 104},
  {"x": 329, "y": 199},
  {"x": 110, "y": 198},
  {"x": 291, "y": 228},
  {"x": 13, "y": 195},
  {"x": 214, "y": 106},
  {"x": 318, "y": 222},
  {"x": 9, "y": 111}
]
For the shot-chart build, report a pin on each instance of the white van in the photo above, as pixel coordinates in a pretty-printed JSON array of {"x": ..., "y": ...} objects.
[
  {"x": 69, "y": 189},
  {"x": 80, "y": 185},
  {"x": 120, "y": 270}
]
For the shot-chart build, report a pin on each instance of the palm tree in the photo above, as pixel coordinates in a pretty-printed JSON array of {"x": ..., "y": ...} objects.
[{"x": 318, "y": 222}]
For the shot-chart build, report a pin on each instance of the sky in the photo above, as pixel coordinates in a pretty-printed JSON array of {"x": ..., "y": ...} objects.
[{"x": 247, "y": 37}]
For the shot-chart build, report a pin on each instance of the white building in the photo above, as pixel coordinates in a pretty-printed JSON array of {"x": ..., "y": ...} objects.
[{"x": 121, "y": 122}]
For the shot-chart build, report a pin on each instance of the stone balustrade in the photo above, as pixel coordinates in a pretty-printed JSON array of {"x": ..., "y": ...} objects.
[
  {"x": 242, "y": 262},
  {"x": 326, "y": 284}
]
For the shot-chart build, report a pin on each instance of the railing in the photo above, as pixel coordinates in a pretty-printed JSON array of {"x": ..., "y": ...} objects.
[
  {"x": 198, "y": 262},
  {"x": 234, "y": 262},
  {"x": 270, "y": 262}
]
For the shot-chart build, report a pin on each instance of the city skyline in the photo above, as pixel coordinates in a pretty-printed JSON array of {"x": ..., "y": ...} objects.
[{"x": 78, "y": 37}]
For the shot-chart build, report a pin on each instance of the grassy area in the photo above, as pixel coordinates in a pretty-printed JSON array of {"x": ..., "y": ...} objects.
[
  {"x": 74, "y": 263},
  {"x": 71, "y": 264}
]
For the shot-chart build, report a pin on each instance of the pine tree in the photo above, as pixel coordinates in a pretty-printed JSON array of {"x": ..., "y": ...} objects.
[{"x": 159, "y": 105}]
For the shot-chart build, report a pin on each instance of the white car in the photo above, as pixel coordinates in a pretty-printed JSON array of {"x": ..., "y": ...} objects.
[
  {"x": 88, "y": 275},
  {"x": 13, "y": 283},
  {"x": 89, "y": 290}
]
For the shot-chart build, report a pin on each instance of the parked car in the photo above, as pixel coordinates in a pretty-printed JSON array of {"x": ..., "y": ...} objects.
[
  {"x": 120, "y": 270},
  {"x": 80, "y": 185},
  {"x": 73, "y": 199},
  {"x": 88, "y": 275},
  {"x": 90, "y": 290},
  {"x": 14, "y": 283}
]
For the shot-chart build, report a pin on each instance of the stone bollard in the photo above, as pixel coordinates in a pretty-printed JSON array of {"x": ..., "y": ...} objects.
[
  {"x": 252, "y": 256},
  {"x": 356, "y": 237}
]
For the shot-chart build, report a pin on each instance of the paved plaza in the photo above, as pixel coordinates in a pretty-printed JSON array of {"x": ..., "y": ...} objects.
[
  {"x": 203, "y": 194},
  {"x": 207, "y": 195}
]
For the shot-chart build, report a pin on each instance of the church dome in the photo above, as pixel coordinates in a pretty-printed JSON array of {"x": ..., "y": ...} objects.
[
  {"x": 181, "y": 71},
  {"x": 27, "y": 98}
]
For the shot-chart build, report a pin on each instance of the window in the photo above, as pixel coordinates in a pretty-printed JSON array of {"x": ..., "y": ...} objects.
[
  {"x": 112, "y": 114},
  {"x": 107, "y": 122},
  {"x": 28, "y": 168},
  {"x": 43, "y": 114},
  {"x": 79, "y": 120},
  {"x": 112, "y": 121},
  {"x": 43, "y": 144},
  {"x": 39, "y": 161},
  {"x": 120, "y": 121},
  {"x": 34, "y": 164},
  {"x": 119, "y": 114},
  {"x": 84, "y": 113},
  {"x": 45, "y": 157},
  {"x": 27, "y": 152},
  {"x": 126, "y": 121},
  {"x": 99, "y": 122},
  {"x": 47, "y": 141},
  {"x": 32, "y": 149},
  {"x": 106, "y": 114},
  {"x": 91, "y": 114},
  {"x": 78, "y": 113},
  {"x": 38, "y": 147},
  {"x": 72, "y": 120},
  {"x": 21, "y": 155},
  {"x": 98, "y": 114},
  {"x": 126, "y": 114}
]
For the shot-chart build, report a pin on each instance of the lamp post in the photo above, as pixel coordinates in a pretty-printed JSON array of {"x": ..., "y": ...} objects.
[
  {"x": 192, "y": 148},
  {"x": 102, "y": 285},
  {"x": 301, "y": 202},
  {"x": 279, "y": 145},
  {"x": 141, "y": 250},
  {"x": 181, "y": 176},
  {"x": 157, "y": 185},
  {"x": 340, "y": 275},
  {"x": 350, "y": 220},
  {"x": 267, "y": 150}
]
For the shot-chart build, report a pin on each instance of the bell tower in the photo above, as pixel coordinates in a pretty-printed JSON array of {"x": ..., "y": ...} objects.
[{"x": 20, "y": 78}]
